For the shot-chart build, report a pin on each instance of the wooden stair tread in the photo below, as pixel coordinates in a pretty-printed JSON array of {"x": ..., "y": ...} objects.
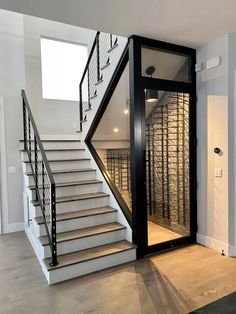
[
  {"x": 79, "y": 214},
  {"x": 84, "y": 232},
  {"x": 56, "y": 141},
  {"x": 64, "y": 171},
  {"x": 90, "y": 254},
  {"x": 57, "y": 149},
  {"x": 71, "y": 198},
  {"x": 66, "y": 184},
  {"x": 61, "y": 160}
]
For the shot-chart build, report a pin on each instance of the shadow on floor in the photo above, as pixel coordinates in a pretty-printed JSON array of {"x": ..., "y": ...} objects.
[{"x": 162, "y": 293}]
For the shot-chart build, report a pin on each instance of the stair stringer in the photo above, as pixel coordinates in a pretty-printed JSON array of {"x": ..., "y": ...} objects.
[{"x": 107, "y": 72}]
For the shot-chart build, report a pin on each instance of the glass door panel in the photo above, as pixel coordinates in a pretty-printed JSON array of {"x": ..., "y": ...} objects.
[{"x": 167, "y": 166}]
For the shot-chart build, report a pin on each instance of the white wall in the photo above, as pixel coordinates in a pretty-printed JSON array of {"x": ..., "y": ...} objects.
[
  {"x": 52, "y": 116},
  {"x": 217, "y": 187},
  {"x": 16, "y": 55},
  {"x": 12, "y": 80},
  {"x": 232, "y": 141},
  {"x": 213, "y": 111}
]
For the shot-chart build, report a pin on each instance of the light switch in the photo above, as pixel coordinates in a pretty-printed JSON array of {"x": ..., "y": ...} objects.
[{"x": 218, "y": 172}]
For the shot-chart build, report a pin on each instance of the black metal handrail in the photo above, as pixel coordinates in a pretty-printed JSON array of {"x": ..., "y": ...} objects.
[
  {"x": 97, "y": 60},
  {"x": 45, "y": 193}
]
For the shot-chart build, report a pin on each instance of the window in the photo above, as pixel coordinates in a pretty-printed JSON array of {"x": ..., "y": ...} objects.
[{"x": 63, "y": 64}]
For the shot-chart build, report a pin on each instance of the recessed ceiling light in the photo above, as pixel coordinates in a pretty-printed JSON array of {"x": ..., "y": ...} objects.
[
  {"x": 126, "y": 111},
  {"x": 115, "y": 130}
]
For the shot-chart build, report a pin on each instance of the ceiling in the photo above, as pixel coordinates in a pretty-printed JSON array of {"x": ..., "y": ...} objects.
[{"x": 189, "y": 22}]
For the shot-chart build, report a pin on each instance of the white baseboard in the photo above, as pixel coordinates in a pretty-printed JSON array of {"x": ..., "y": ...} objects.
[
  {"x": 15, "y": 227},
  {"x": 216, "y": 244}
]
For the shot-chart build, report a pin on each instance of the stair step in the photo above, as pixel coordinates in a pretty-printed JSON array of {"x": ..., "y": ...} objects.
[
  {"x": 56, "y": 141},
  {"x": 66, "y": 184},
  {"x": 62, "y": 160},
  {"x": 94, "y": 96},
  {"x": 83, "y": 233},
  {"x": 72, "y": 198},
  {"x": 112, "y": 48},
  {"x": 88, "y": 109},
  {"x": 64, "y": 171},
  {"x": 90, "y": 254},
  {"x": 98, "y": 82},
  {"x": 105, "y": 66},
  {"x": 79, "y": 214},
  {"x": 58, "y": 149}
]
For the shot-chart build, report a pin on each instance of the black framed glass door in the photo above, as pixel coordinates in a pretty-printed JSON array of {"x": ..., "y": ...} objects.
[
  {"x": 163, "y": 152},
  {"x": 167, "y": 166}
]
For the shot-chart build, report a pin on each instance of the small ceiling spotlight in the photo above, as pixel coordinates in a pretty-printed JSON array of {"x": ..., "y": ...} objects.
[
  {"x": 126, "y": 111},
  {"x": 115, "y": 130},
  {"x": 151, "y": 95}
]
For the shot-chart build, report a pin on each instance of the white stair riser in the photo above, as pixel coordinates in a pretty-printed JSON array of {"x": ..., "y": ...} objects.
[
  {"x": 73, "y": 190},
  {"x": 58, "y": 145},
  {"x": 68, "y": 177},
  {"x": 76, "y": 205},
  {"x": 78, "y": 223},
  {"x": 86, "y": 243},
  {"x": 91, "y": 266},
  {"x": 58, "y": 155},
  {"x": 62, "y": 165}
]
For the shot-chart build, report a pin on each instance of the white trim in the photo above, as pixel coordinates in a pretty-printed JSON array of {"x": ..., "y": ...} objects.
[
  {"x": 215, "y": 244},
  {"x": 4, "y": 182}
]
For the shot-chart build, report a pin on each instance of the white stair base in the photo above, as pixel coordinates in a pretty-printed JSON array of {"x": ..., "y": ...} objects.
[
  {"x": 90, "y": 266},
  {"x": 85, "y": 243}
]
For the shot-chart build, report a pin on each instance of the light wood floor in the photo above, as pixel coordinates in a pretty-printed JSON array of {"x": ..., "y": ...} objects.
[
  {"x": 175, "y": 282},
  {"x": 158, "y": 234}
]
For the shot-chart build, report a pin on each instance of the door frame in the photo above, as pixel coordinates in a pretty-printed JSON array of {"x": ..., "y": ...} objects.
[
  {"x": 138, "y": 143},
  {"x": 3, "y": 172}
]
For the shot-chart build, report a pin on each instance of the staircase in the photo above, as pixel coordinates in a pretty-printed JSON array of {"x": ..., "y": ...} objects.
[{"x": 89, "y": 231}]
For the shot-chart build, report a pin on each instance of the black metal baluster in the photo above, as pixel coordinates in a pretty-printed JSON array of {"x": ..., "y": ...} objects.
[
  {"x": 25, "y": 125},
  {"x": 53, "y": 225},
  {"x": 43, "y": 187},
  {"x": 36, "y": 167},
  {"x": 110, "y": 40},
  {"x": 81, "y": 108},
  {"x": 29, "y": 133},
  {"x": 98, "y": 57},
  {"x": 89, "y": 104}
]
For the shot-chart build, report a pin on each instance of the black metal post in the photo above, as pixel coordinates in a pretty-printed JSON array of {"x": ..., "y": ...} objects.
[
  {"x": 98, "y": 57},
  {"x": 24, "y": 125},
  {"x": 36, "y": 167},
  {"x": 53, "y": 226}
]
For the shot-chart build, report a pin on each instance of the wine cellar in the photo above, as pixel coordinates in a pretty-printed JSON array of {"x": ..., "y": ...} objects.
[
  {"x": 118, "y": 166},
  {"x": 167, "y": 158}
]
